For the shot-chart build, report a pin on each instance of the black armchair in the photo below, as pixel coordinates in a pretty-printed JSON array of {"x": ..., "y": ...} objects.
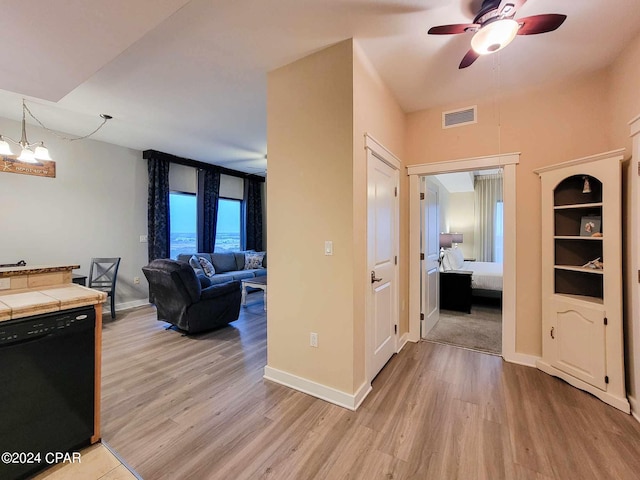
[{"x": 181, "y": 300}]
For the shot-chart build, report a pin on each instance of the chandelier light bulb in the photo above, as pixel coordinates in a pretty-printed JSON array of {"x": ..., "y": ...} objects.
[
  {"x": 27, "y": 156},
  {"x": 5, "y": 149},
  {"x": 494, "y": 36},
  {"x": 42, "y": 153}
]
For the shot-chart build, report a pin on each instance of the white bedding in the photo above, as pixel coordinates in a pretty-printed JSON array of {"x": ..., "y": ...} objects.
[{"x": 486, "y": 275}]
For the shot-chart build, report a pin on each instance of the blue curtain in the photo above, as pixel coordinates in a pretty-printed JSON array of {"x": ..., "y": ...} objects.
[
  {"x": 208, "y": 194},
  {"x": 253, "y": 209},
  {"x": 158, "y": 208}
]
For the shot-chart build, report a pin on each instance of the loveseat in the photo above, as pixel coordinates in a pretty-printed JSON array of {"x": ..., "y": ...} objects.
[
  {"x": 180, "y": 299},
  {"x": 228, "y": 266}
]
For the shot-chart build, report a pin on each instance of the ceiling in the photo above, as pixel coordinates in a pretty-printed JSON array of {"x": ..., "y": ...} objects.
[{"x": 188, "y": 77}]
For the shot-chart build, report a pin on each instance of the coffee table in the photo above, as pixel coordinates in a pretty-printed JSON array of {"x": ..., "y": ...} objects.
[{"x": 256, "y": 282}]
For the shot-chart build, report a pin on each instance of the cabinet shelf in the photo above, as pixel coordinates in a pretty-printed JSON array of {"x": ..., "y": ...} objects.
[
  {"x": 577, "y": 205},
  {"x": 581, "y": 298},
  {"x": 576, "y": 237},
  {"x": 572, "y": 268}
]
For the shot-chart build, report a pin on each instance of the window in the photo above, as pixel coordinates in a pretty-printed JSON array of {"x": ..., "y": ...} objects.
[
  {"x": 228, "y": 225},
  {"x": 498, "y": 245},
  {"x": 183, "y": 236}
]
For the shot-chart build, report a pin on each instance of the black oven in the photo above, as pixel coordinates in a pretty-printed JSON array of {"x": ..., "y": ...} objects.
[{"x": 47, "y": 370}]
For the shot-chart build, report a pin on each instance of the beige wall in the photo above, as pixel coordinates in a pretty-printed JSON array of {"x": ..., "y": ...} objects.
[
  {"x": 95, "y": 207},
  {"x": 319, "y": 109},
  {"x": 310, "y": 199},
  {"x": 548, "y": 125},
  {"x": 375, "y": 112},
  {"x": 625, "y": 106},
  {"x": 461, "y": 219}
]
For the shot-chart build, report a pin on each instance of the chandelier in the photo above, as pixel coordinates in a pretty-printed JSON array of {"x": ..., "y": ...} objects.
[{"x": 30, "y": 154}]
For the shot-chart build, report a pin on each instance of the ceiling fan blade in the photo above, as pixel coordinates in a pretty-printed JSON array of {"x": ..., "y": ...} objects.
[
  {"x": 540, "y": 23},
  {"x": 451, "y": 29},
  {"x": 468, "y": 59}
]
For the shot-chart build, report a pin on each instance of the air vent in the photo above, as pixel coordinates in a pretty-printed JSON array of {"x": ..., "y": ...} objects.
[{"x": 458, "y": 118}]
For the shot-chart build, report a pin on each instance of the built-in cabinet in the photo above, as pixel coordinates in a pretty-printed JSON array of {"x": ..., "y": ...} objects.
[{"x": 582, "y": 332}]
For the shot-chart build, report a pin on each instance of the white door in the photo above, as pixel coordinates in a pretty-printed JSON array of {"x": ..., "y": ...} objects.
[
  {"x": 579, "y": 337},
  {"x": 382, "y": 232},
  {"x": 430, "y": 265}
]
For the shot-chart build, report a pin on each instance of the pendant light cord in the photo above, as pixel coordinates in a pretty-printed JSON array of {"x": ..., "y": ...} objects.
[{"x": 105, "y": 119}]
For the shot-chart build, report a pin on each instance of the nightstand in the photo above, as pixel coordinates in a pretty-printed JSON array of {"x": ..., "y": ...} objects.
[{"x": 455, "y": 290}]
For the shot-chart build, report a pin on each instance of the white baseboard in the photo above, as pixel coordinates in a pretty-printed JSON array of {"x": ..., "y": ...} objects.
[
  {"x": 329, "y": 394},
  {"x": 404, "y": 339},
  {"x": 106, "y": 307},
  {"x": 521, "y": 359},
  {"x": 635, "y": 408}
]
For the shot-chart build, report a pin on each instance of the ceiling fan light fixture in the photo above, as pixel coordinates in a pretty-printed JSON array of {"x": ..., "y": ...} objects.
[{"x": 494, "y": 36}]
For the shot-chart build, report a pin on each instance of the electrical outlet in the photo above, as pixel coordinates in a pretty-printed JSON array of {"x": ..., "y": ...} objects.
[
  {"x": 313, "y": 339},
  {"x": 136, "y": 280},
  {"x": 144, "y": 238}
]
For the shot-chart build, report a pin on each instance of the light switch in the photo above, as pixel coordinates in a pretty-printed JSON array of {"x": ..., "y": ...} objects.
[
  {"x": 328, "y": 247},
  {"x": 143, "y": 239}
]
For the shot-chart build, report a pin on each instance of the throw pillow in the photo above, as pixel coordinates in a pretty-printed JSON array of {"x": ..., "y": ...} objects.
[
  {"x": 195, "y": 264},
  {"x": 206, "y": 266},
  {"x": 253, "y": 260}
]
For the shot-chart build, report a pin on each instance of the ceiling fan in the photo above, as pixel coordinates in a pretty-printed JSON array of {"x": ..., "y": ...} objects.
[{"x": 495, "y": 27}]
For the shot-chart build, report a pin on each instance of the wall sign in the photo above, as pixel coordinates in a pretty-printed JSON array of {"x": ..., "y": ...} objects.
[{"x": 44, "y": 168}]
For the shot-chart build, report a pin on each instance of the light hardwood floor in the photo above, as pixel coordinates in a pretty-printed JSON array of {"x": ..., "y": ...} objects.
[{"x": 176, "y": 407}]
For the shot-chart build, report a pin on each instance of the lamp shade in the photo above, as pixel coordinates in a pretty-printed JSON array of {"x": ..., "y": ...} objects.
[
  {"x": 27, "y": 156},
  {"x": 456, "y": 237},
  {"x": 42, "y": 153},
  {"x": 5, "y": 149},
  {"x": 494, "y": 36},
  {"x": 445, "y": 240}
]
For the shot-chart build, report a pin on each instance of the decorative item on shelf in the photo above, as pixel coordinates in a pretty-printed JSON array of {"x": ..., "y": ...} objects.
[
  {"x": 586, "y": 188},
  {"x": 28, "y": 153},
  {"x": 595, "y": 264},
  {"x": 590, "y": 225}
]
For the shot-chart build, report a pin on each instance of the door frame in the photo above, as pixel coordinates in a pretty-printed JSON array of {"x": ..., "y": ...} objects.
[
  {"x": 508, "y": 161},
  {"x": 377, "y": 150}
]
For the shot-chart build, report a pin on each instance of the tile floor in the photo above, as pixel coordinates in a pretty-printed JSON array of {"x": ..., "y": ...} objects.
[{"x": 97, "y": 463}]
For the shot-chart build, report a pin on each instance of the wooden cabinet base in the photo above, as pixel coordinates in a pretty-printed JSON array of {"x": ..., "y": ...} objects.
[{"x": 621, "y": 403}]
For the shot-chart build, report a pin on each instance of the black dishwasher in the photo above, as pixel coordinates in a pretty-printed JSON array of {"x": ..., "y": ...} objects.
[{"x": 47, "y": 370}]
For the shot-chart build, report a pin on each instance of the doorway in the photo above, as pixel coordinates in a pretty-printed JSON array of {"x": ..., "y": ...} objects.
[
  {"x": 508, "y": 162},
  {"x": 469, "y": 235}
]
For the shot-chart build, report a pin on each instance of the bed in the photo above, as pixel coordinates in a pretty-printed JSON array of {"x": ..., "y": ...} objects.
[{"x": 486, "y": 279}]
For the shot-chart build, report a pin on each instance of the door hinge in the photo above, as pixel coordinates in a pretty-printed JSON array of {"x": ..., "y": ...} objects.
[
  {"x": 422, "y": 316},
  {"x": 638, "y": 168},
  {"x": 395, "y": 260},
  {"x": 395, "y": 329},
  {"x": 422, "y": 196},
  {"x": 606, "y": 379},
  {"x": 395, "y": 191},
  {"x": 422, "y": 256},
  {"x": 638, "y": 276},
  {"x": 606, "y": 322}
]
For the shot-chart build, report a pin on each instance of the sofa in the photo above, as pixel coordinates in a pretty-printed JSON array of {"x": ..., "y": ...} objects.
[
  {"x": 181, "y": 300},
  {"x": 228, "y": 266}
]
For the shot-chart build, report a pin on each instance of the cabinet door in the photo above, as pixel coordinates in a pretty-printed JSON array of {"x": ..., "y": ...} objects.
[{"x": 578, "y": 334}]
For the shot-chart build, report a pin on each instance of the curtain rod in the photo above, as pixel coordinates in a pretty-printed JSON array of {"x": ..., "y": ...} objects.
[{"x": 155, "y": 154}]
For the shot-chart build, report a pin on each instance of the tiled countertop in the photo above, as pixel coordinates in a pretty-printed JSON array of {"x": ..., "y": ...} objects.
[{"x": 24, "y": 303}]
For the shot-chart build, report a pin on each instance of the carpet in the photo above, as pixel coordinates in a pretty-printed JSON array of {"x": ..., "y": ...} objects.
[{"x": 481, "y": 330}]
